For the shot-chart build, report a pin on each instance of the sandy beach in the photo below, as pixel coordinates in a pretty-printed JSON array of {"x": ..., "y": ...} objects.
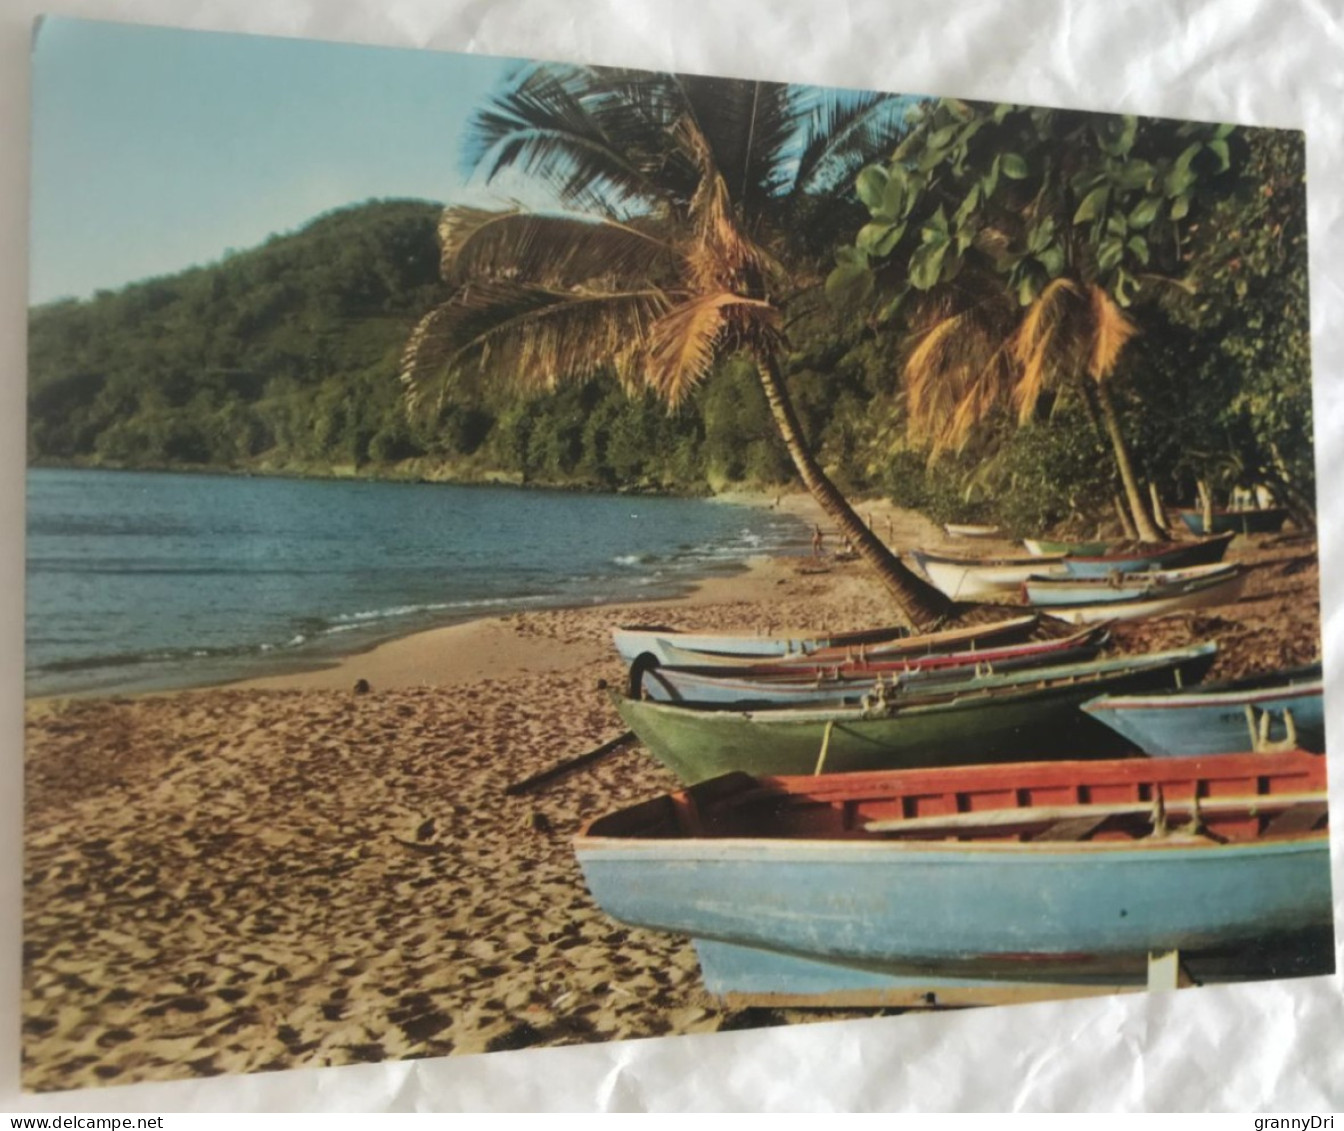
[{"x": 288, "y": 873}]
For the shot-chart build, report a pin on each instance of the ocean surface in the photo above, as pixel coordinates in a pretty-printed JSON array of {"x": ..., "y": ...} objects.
[{"x": 141, "y": 581}]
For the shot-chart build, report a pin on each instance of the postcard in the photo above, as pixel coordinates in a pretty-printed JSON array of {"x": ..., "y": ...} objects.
[{"x": 525, "y": 554}]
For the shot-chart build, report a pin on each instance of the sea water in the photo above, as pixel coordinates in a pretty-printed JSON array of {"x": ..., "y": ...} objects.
[{"x": 140, "y": 580}]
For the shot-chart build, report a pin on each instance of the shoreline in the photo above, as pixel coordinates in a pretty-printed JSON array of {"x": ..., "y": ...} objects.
[
  {"x": 285, "y": 874},
  {"x": 432, "y": 656},
  {"x": 282, "y": 873},
  {"x": 388, "y": 660}
]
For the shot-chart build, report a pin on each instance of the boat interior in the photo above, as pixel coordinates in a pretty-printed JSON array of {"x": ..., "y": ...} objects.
[{"x": 1211, "y": 800}]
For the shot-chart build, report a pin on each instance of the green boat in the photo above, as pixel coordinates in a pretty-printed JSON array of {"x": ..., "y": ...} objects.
[
  {"x": 1032, "y": 714},
  {"x": 1046, "y": 547}
]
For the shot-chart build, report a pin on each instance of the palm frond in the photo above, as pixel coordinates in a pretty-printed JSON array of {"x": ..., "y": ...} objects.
[
  {"x": 530, "y": 337},
  {"x": 561, "y": 126},
  {"x": 1048, "y": 336},
  {"x": 682, "y": 345},
  {"x": 549, "y": 251},
  {"x": 980, "y": 396},
  {"x": 721, "y": 256},
  {"x": 961, "y": 366},
  {"x": 844, "y": 131},
  {"x": 748, "y": 126},
  {"x": 1111, "y": 331}
]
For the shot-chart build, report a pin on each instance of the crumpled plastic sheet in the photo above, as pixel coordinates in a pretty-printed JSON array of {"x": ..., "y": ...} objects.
[{"x": 1270, "y": 1047}]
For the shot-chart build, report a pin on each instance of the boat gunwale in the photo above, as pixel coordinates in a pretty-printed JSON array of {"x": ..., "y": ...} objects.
[
  {"x": 948, "y": 697},
  {"x": 1117, "y": 608},
  {"x": 1157, "y": 578},
  {"x": 882, "y": 846},
  {"x": 1185, "y": 700},
  {"x": 859, "y": 669},
  {"x": 1155, "y": 550},
  {"x": 839, "y": 653}
]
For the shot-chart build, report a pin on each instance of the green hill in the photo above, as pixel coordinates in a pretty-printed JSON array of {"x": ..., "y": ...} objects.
[{"x": 283, "y": 359}]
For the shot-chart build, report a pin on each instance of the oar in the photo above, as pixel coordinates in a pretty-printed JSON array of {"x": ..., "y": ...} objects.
[{"x": 568, "y": 765}]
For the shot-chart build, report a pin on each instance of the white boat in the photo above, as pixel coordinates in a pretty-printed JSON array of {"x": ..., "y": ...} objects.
[
  {"x": 983, "y": 579},
  {"x": 671, "y": 647},
  {"x": 632, "y": 640},
  {"x": 969, "y": 530}
]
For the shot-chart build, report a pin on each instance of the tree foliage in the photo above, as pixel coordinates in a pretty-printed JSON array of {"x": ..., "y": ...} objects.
[
  {"x": 1023, "y": 250},
  {"x": 284, "y": 357}
]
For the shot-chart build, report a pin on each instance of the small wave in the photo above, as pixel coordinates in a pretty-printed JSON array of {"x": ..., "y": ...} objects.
[{"x": 385, "y": 614}]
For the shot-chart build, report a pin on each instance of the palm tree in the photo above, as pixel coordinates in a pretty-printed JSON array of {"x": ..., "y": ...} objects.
[
  {"x": 681, "y": 190},
  {"x": 980, "y": 351},
  {"x": 1028, "y": 234}
]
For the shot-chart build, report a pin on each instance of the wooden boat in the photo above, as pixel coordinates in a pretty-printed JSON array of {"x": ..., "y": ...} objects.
[
  {"x": 970, "y": 530},
  {"x": 981, "y": 579},
  {"x": 1195, "y": 593},
  {"x": 1267, "y": 520},
  {"x": 1050, "y": 591},
  {"x": 633, "y": 640},
  {"x": 1047, "y": 548},
  {"x": 1017, "y": 715},
  {"x": 762, "y": 684},
  {"x": 875, "y": 889},
  {"x": 666, "y": 650},
  {"x": 1257, "y": 713},
  {"x": 1141, "y": 557}
]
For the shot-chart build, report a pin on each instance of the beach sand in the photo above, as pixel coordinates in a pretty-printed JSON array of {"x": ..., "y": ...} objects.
[{"x": 286, "y": 873}]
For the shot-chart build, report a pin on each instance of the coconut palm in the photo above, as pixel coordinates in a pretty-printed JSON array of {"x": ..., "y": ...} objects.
[
  {"x": 1026, "y": 235},
  {"x": 976, "y": 354},
  {"x": 680, "y": 191}
]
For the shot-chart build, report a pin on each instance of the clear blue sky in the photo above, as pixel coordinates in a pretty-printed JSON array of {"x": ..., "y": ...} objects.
[{"x": 156, "y": 149}]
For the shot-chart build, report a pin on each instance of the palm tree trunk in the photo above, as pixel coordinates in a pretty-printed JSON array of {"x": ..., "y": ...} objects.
[
  {"x": 1142, "y": 519},
  {"x": 1126, "y": 522},
  {"x": 1159, "y": 511},
  {"x": 923, "y": 605}
]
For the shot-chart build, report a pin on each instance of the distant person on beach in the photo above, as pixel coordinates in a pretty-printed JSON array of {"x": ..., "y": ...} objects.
[{"x": 817, "y": 539}]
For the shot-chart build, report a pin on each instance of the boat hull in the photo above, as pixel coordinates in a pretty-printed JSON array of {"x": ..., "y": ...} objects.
[
  {"x": 1172, "y": 555},
  {"x": 634, "y": 641},
  {"x": 1029, "y": 716},
  {"x": 1212, "y": 722},
  {"x": 1045, "y": 592},
  {"x": 1218, "y": 590},
  {"x": 876, "y": 884},
  {"x": 723, "y": 686},
  {"x": 1017, "y": 912},
  {"x": 1045, "y": 547},
  {"x": 667, "y": 651},
  {"x": 1267, "y": 521},
  {"x": 966, "y": 530},
  {"x": 989, "y": 580},
  {"x": 744, "y": 975}
]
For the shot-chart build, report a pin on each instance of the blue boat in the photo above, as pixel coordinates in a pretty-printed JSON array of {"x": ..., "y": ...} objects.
[
  {"x": 1285, "y": 708},
  {"x": 1141, "y": 558},
  {"x": 852, "y": 889},
  {"x": 1108, "y": 603}
]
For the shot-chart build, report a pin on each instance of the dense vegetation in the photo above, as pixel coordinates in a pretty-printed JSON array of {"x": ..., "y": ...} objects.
[
  {"x": 1090, "y": 303},
  {"x": 284, "y": 359}
]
